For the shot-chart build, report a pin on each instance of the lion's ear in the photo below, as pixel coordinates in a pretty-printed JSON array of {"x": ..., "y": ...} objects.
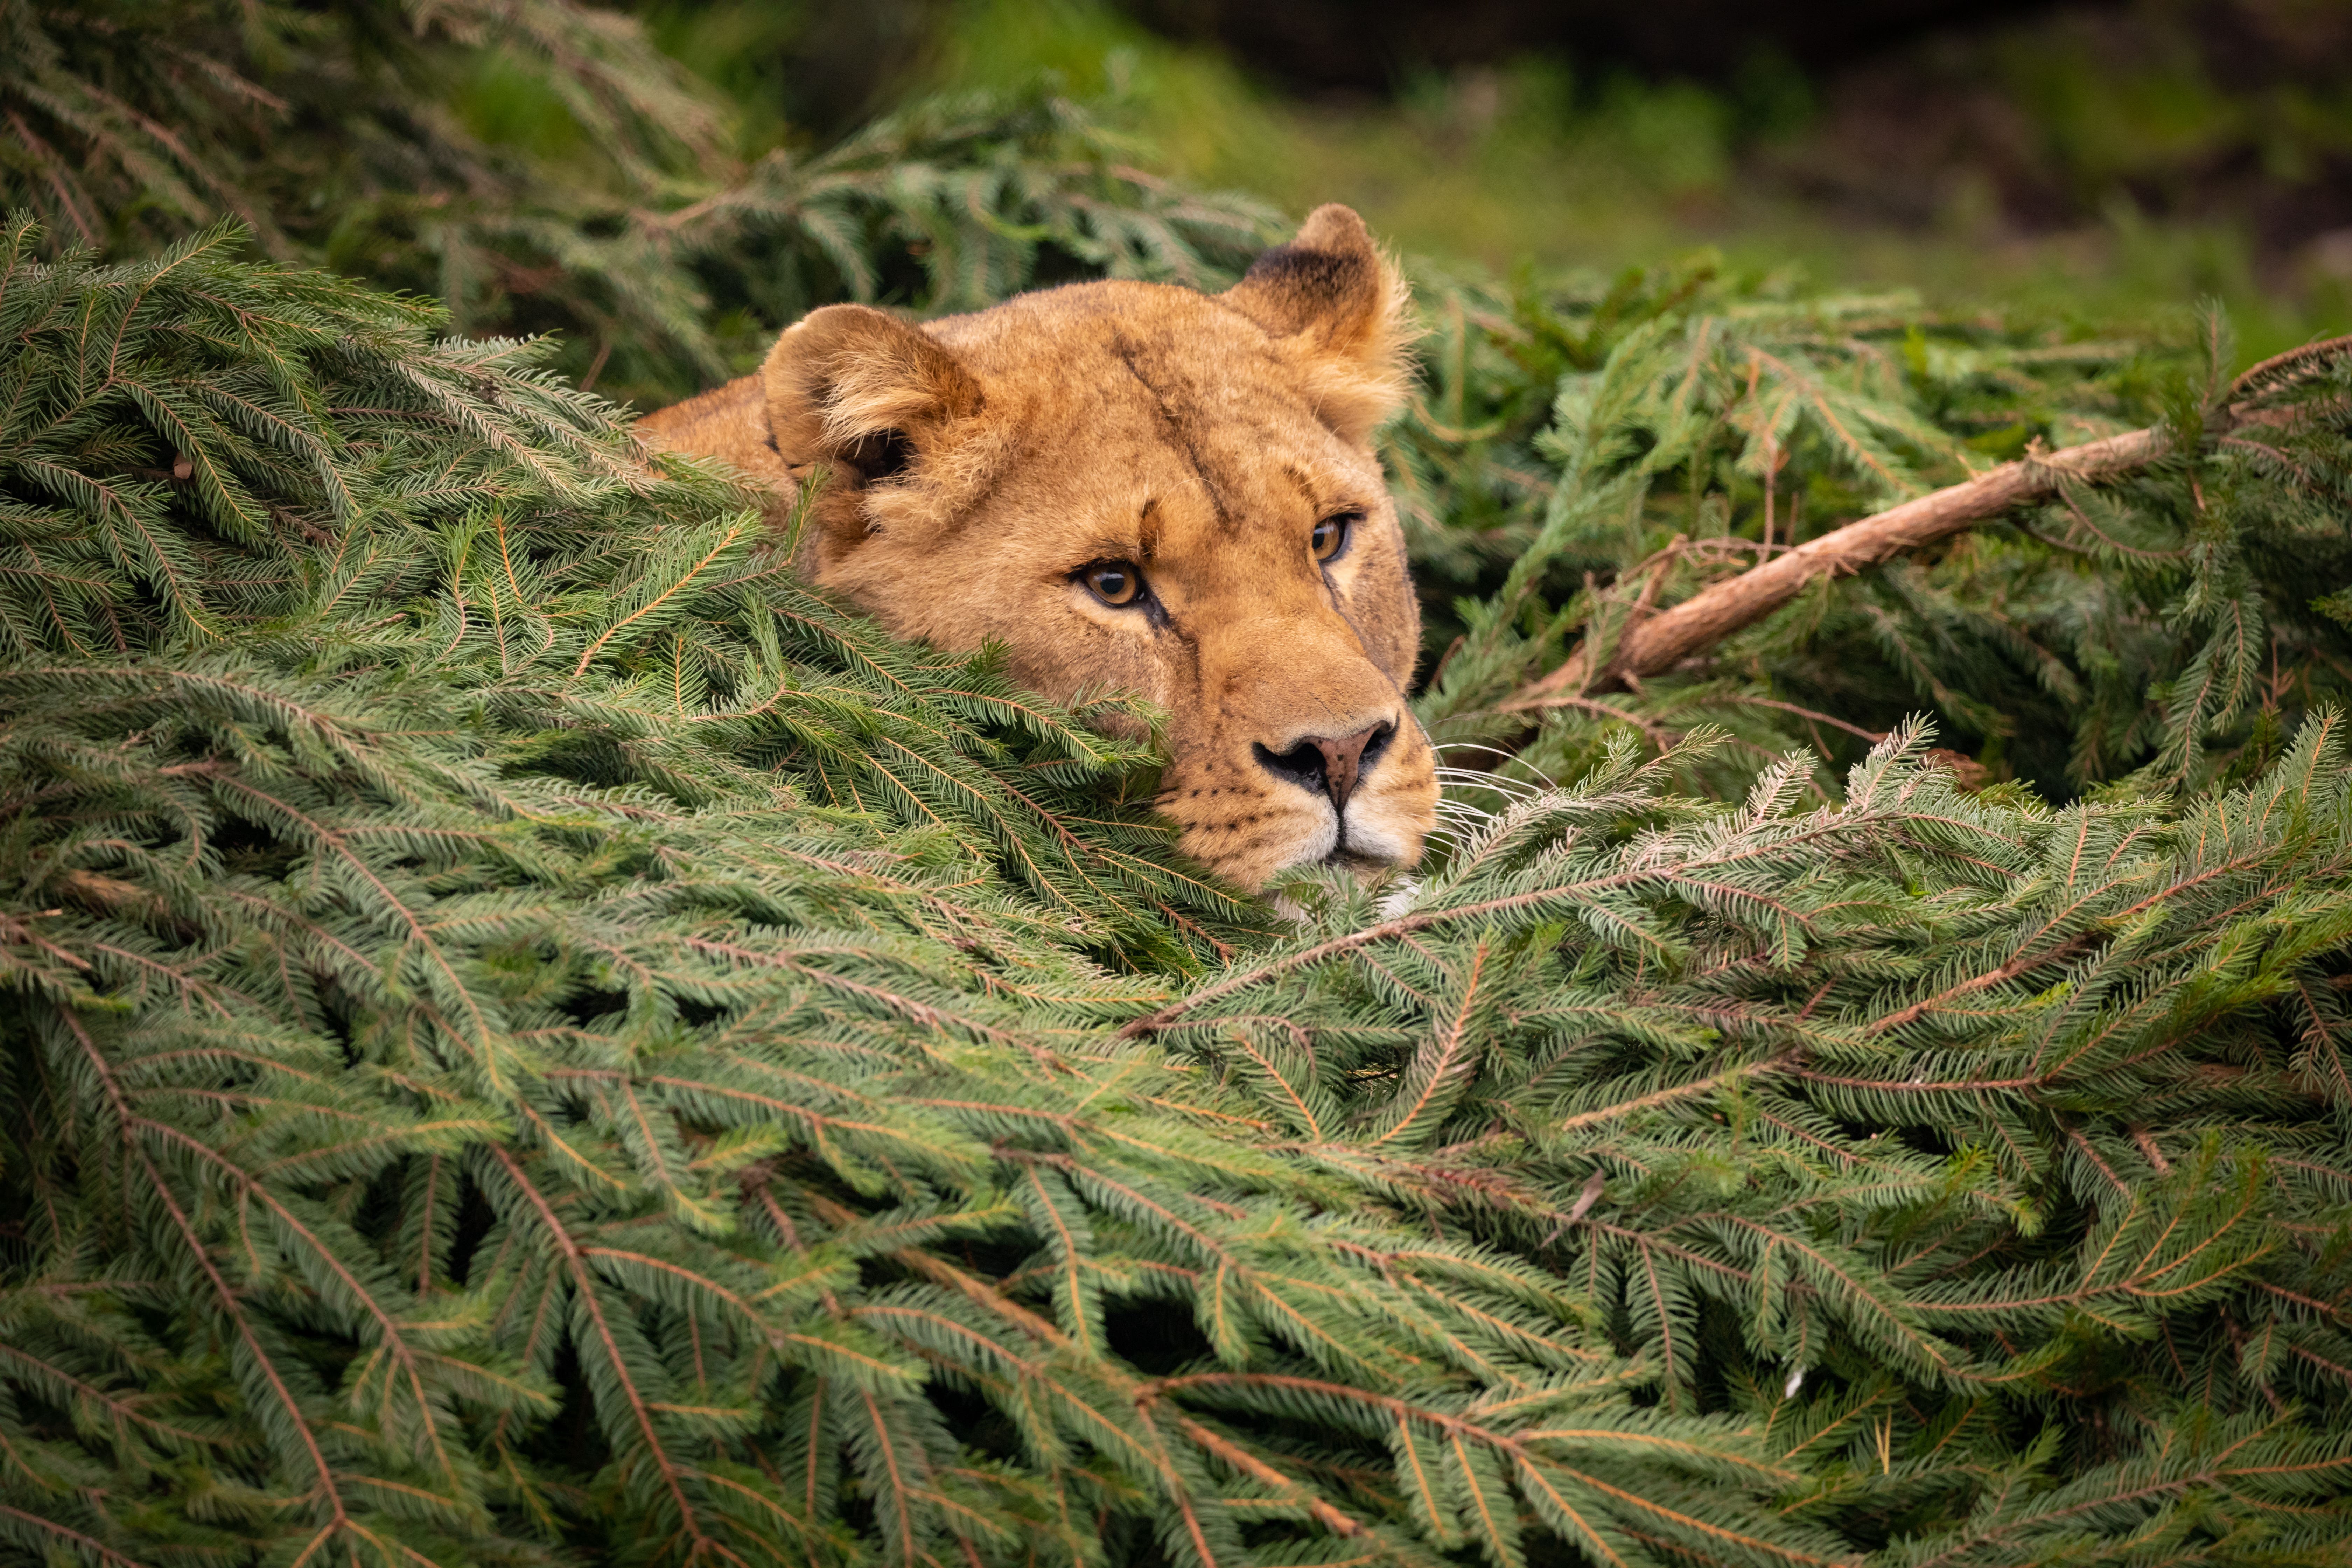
[
  {"x": 870, "y": 397},
  {"x": 1344, "y": 304},
  {"x": 861, "y": 391}
]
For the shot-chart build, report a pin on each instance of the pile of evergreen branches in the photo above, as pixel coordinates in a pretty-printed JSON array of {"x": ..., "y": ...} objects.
[
  {"x": 532, "y": 1035},
  {"x": 540, "y": 167},
  {"x": 1587, "y": 454}
]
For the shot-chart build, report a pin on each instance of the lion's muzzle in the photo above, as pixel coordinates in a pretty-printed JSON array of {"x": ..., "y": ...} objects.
[{"x": 1322, "y": 764}]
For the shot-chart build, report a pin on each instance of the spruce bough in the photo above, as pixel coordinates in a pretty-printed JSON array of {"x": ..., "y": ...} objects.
[{"x": 532, "y": 1036}]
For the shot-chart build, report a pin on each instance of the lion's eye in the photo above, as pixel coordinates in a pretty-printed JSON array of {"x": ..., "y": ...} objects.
[
  {"x": 1115, "y": 582},
  {"x": 1331, "y": 535}
]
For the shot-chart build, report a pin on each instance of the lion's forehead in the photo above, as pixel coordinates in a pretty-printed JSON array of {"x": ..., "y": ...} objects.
[
  {"x": 1128, "y": 351},
  {"x": 1180, "y": 422},
  {"x": 1244, "y": 492}
]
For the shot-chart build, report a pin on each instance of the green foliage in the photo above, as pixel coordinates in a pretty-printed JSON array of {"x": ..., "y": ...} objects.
[
  {"x": 1987, "y": 1159},
  {"x": 530, "y": 1034},
  {"x": 2109, "y": 163},
  {"x": 542, "y": 168},
  {"x": 1582, "y": 459}
]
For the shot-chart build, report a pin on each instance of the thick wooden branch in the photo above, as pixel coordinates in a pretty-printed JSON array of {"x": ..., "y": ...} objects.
[{"x": 1708, "y": 616}]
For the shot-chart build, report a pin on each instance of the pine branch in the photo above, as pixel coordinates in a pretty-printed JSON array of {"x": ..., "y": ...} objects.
[
  {"x": 1663, "y": 640},
  {"x": 1666, "y": 446},
  {"x": 545, "y": 1027},
  {"x": 1660, "y": 642}
]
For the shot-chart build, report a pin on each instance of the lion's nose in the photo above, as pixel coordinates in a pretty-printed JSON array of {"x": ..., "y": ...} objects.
[{"x": 1332, "y": 766}]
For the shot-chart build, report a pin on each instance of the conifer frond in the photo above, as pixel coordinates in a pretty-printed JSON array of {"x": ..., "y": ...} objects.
[
  {"x": 530, "y": 1030},
  {"x": 1608, "y": 455},
  {"x": 606, "y": 199}
]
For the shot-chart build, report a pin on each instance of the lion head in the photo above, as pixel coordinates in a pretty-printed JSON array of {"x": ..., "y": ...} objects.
[{"x": 1137, "y": 487}]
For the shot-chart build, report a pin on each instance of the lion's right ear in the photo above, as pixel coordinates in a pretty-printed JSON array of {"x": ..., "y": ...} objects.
[
  {"x": 855, "y": 387},
  {"x": 876, "y": 401}
]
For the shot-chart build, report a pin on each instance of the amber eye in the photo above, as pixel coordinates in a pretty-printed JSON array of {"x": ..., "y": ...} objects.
[
  {"x": 1331, "y": 535},
  {"x": 1115, "y": 582}
]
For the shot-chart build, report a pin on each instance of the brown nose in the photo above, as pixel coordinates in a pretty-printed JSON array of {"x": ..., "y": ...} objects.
[{"x": 1334, "y": 766}]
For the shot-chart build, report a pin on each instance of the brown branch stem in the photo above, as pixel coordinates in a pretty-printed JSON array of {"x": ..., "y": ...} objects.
[{"x": 1661, "y": 641}]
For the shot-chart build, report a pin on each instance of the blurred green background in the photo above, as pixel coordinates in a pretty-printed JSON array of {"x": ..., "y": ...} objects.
[
  {"x": 665, "y": 183},
  {"x": 2099, "y": 161}
]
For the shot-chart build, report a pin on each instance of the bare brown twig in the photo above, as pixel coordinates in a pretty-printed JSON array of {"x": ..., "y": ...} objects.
[
  {"x": 1656, "y": 643},
  {"x": 1664, "y": 639}
]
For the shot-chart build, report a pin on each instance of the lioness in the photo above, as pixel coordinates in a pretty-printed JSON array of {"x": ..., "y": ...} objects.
[{"x": 1138, "y": 487}]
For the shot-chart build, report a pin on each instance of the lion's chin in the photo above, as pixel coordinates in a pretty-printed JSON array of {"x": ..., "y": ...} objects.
[{"x": 1365, "y": 850}]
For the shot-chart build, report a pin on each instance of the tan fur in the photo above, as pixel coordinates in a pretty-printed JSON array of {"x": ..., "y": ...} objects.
[{"x": 1201, "y": 437}]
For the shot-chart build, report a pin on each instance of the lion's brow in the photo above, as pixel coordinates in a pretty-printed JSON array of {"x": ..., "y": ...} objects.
[
  {"x": 1174, "y": 422},
  {"x": 1303, "y": 483},
  {"x": 1109, "y": 546}
]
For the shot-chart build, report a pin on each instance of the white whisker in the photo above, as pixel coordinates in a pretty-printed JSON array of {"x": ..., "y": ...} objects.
[
  {"x": 1463, "y": 779},
  {"x": 1476, "y": 773},
  {"x": 1460, "y": 802},
  {"x": 1459, "y": 789},
  {"x": 1497, "y": 752}
]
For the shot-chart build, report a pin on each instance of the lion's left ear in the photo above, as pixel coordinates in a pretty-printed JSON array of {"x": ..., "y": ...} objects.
[{"x": 1343, "y": 305}]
